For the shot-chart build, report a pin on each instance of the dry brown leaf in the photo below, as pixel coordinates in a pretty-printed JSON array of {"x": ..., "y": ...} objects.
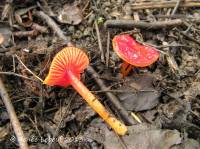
[
  {"x": 145, "y": 96},
  {"x": 5, "y": 35},
  {"x": 70, "y": 14}
]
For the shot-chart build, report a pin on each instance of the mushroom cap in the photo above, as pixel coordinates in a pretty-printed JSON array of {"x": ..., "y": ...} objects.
[
  {"x": 68, "y": 59},
  {"x": 133, "y": 52}
]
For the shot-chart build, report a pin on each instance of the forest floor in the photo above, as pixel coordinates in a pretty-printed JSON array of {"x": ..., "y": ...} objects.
[{"x": 162, "y": 100}]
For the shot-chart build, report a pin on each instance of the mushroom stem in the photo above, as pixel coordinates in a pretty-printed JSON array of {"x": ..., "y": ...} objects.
[
  {"x": 93, "y": 101},
  {"x": 126, "y": 68}
]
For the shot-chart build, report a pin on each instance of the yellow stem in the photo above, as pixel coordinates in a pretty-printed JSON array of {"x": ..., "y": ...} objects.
[{"x": 93, "y": 101}]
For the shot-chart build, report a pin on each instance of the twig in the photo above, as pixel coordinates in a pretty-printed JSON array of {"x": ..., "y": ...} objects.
[
  {"x": 99, "y": 41},
  {"x": 175, "y": 45},
  {"x": 113, "y": 91},
  {"x": 31, "y": 33},
  {"x": 165, "y": 4},
  {"x": 189, "y": 37},
  {"x": 13, "y": 117},
  {"x": 86, "y": 5},
  {"x": 51, "y": 23},
  {"x": 129, "y": 24},
  {"x": 28, "y": 69},
  {"x": 7, "y": 9},
  {"x": 113, "y": 99},
  {"x": 136, "y": 117},
  {"x": 108, "y": 49},
  {"x": 46, "y": 7},
  {"x": 176, "y": 7},
  {"x": 40, "y": 28},
  {"x": 15, "y": 74},
  {"x": 121, "y": 91}
]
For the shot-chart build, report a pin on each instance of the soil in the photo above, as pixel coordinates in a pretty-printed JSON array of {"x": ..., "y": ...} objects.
[{"x": 163, "y": 99}]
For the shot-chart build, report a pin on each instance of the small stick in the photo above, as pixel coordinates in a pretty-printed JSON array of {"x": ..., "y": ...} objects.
[
  {"x": 41, "y": 29},
  {"x": 51, "y": 23},
  {"x": 15, "y": 74},
  {"x": 113, "y": 99},
  {"x": 46, "y": 7},
  {"x": 176, "y": 7},
  {"x": 99, "y": 41},
  {"x": 31, "y": 33},
  {"x": 108, "y": 49},
  {"x": 113, "y": 91},
  {"x": 13, "y": 117},
  {"x": 166, "y": 4},
  {"x": 28, "y": 69},
  {"x": 136, "y": 117},
  {"x": 189, "y": 37},
  {"x": 129, "y": 24},
  {"x": 86, "y": 5}
]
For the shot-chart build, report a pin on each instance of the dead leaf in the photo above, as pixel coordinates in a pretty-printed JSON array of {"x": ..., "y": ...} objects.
[
  {"x": 146, "y": 96},
  {"x": 70, "y": 14},
  {"x": 5, "y": 35},
  {"x": 96, "y": 131},
  {"x": 141, "y": 136},
  {"x": 144, "y": 139},
  {"x": 63, "y": 115},
  {"x": 84, "y": 113},
  {"x": 188, "y": 144}
]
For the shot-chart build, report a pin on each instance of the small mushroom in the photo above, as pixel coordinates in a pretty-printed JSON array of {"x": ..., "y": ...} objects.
[
  {"x": 133, "y": 53},
  {"x": 65, "y": 70}
]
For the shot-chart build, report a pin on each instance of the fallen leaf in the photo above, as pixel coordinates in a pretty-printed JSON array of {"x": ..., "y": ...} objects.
[
  {"x": 144, "y": 98},
  {"x": 5, "y": 35},
  {"x": 188, "y": 144},
  {"x": 141, "y": 136},
  {"x": 70, "y": 14},
  {"x": 63, "y": 115},
  {"x": 144, "y": 139},
  {"x": 84, "y": 113}
]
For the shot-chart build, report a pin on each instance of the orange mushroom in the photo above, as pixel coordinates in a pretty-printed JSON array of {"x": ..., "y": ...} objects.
[
  {"x": 133, "y": 53},
  {"x": 65, "y": 70}
]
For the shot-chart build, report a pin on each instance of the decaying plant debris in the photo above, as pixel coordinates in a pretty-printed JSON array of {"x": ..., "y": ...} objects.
[{"x": 160, "y": 104}]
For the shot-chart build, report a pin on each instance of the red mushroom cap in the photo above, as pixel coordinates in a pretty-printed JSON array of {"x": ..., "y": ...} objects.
[
  {"x": 133, "y": 52},
  {"x": 69, "y": 58}
]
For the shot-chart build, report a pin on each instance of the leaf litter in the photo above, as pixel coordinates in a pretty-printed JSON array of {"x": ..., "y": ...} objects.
[{"x": 165, "y": 95}]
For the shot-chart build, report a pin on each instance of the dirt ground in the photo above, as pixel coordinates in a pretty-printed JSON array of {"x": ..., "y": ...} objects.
[{"x": 162, "y": 100}]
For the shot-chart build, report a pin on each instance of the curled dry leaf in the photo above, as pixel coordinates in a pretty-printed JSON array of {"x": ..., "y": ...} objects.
[{"x": 70, "y": 14}]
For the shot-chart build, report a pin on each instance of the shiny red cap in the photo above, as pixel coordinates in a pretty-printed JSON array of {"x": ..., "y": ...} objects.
[{"x": 133, "y": 52}]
